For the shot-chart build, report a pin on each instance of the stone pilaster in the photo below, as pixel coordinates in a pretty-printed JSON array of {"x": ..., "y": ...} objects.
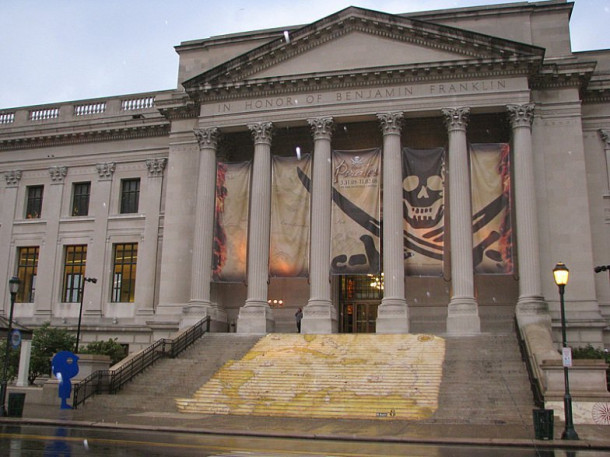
[
  {"x": 605, "y": 136},
  {"x": 256, "y": 316},
  {"x": 463, "y": 315},
  {"x": 392, "y": 315},
  {"x": 320, "y": 316},
  {"x": 148, "y": 248},
  {"x": 96, "y": 250},
  {"x": 200, "y": 304},
  {"x": 531, "y": 306},
  {"x": 7, "y": 248}
]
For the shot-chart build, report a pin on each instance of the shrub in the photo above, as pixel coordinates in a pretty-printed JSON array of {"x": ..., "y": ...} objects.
[
  {"x": 111, "y": 348},
  {"x": 46, "y": 342}
]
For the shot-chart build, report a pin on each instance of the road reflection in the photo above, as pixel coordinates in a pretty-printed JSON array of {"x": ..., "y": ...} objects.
[{"x": 26, "y": 440}]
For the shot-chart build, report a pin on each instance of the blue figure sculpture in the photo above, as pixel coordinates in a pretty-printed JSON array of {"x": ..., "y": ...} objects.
[{"x": 64, "y": 367}]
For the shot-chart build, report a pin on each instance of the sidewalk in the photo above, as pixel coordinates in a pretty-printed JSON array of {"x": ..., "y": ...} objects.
[{"x": 382, "y": 429}]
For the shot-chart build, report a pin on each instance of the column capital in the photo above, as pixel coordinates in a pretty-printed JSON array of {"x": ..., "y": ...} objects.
[
  {"x": 391, "y": 123},
  {"x": 12, "y": 178},
  {"x": 261, "y": 132},
  {"x": 58, "y": 174},
  {"x": 321, "y": 127},
  {"x": 105, "y": 170},
  {"x": 456, "y": 118},
  {"x": 207, "y": 138},
  {"x": 156, "y": 167},
  {"x": 605, "y": 136},
  {"x": 521, "y": 115}
]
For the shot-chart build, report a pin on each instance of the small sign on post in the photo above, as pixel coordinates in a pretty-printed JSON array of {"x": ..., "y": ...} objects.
[{"x": 567, "y": 357}]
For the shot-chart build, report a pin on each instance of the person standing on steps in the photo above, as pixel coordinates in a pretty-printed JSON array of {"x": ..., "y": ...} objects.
[{"x": 298, "y": 316}]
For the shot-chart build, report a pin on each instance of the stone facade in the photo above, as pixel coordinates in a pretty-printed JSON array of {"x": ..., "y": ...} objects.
[{"x": 355, "y": 79}]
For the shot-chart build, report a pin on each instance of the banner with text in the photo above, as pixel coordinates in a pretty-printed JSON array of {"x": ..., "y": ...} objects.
[
  {"x": 231, "y": 222},
  {"x": 290, "y": 203},
  {"x": 491, "y": 224},
  {"x": 424, "y": 210},
  {"x": 356, "y": 228}
]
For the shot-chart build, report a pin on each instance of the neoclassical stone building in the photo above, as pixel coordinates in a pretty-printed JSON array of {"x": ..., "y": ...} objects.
[{"x": 386, "y": 173}]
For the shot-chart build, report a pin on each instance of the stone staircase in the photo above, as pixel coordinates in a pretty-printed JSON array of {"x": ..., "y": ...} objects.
[
  {"x": 421, "y": 378},
  {"x": 157, "y": 388}
]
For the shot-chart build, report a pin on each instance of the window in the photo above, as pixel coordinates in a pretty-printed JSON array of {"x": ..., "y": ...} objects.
[
  {"x": 124, "y": 272},
  {"x": 80, "y": 198},
  {"x": 130, "y": 195},
  {"x": 27, "y": 267},
  {"x": 75, "y": 260},
  {"x": 33, "y": 207}
]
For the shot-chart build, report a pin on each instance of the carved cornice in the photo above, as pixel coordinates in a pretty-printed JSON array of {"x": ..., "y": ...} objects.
[
  {"x": 105, "y": 170},
  {"x": 156, "y": 167},
  {"x": 261, "y": 132},
  {"x": 391, "y": 123},
  {"x": 456, "y": 118},
  {"x": 12, "y": 178},
  {"x": 563, "y": 75},
  {"x": 321, "y": 127},
  {"x": 58, "y": 174},
  {"x": 207, "y": 138},
  {"x": 605, "y": 136},
  {"x": 521, "y": 115},
  {"x": 44, "y": 140}
]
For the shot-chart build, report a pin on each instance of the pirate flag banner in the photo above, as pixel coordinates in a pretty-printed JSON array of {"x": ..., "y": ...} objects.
[
  {"x": 355, "y": 231},
  {"x": 491, "y": 225},
  {"x": 289, "y": 248},
  {"x": 423, "y": 189},
  {"x": 231, "y": 222}
]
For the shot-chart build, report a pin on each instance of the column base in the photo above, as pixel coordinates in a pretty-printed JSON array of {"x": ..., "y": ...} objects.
[
  {"x": 319, "y": 317},
  {"x": 463, "y": 317},
  {"x": 532, "y": 310},
  {"x": 392, "y": 316},
  {"x": 195, "y": 311},
  {"x": 255, "y": 318}
]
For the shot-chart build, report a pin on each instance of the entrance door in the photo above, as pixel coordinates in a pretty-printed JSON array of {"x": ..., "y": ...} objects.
[{"x": 359, "y": 300}]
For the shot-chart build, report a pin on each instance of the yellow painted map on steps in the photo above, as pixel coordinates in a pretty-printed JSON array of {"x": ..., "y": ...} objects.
[{"x": 358, "y": 376}]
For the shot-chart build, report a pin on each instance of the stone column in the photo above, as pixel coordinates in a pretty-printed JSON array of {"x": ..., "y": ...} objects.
[
  {"x": 7, "y": 247},
  {"x": 320, "y": 316},
  {"x": 96, "y": 250},
  {"x": 463, "y": 315},
  {"x": 256, "y": 316},
  {"x": 200, "y": 304},
  {"x": 148, "y": 249},
  {"x": 392, "y": 315},
  {"x": 531, "y": 307},
  {"x": 51, "y": 204}
]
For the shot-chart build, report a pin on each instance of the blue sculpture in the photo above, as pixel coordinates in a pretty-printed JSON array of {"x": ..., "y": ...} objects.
[{"x": 64, "y": 367}]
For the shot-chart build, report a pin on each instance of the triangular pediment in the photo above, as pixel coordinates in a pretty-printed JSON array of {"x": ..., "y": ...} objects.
[{"x": 358, "y": 41}]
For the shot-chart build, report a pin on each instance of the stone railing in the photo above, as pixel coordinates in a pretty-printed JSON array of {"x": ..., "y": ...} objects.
[{"x": 69, "y": 111}]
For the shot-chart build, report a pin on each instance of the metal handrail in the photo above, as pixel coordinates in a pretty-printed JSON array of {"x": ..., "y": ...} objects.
[
  {"x": 534, "y": 382},
  {"x": 111, "y": 381}
]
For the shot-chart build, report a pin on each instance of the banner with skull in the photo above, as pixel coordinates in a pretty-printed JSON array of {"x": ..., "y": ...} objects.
[
  {"x": 491, "y": 223},
  {"x": 231, "y": 222},
  {"x": 424, "y": 210},
  {"x": 355, "y": 232},
  {"x": 289, "y": 243}
]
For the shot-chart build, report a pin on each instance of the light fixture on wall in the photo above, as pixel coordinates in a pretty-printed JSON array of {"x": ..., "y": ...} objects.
[
  {"x": 377, "y": 281},
  {"x": 276, "y": 303}
]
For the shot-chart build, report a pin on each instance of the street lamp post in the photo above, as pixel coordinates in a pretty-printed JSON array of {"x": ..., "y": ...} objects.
[
  {"x": 80, "y": 310},
  {"x": 13, "y": 287},
  {"x": 561, "y": 274}
]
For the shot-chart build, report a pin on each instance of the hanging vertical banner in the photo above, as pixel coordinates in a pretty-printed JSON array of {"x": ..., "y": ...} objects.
[
  {"x": 355, "y": 232},
  {"x": 491, "y": 225},
  {"x": 423, "y": 184},
  {"x": 231, "y": 222},
  {"x": 290, "y": 202}
]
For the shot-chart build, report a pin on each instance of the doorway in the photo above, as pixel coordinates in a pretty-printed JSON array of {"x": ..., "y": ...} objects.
[{"x": 359, "y": 299}]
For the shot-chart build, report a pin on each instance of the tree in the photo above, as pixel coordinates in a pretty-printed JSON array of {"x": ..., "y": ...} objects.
[
  {"x": 46, "y": 342},
  {"x": 13, "y": 360},
  {"x": 111, "y": 348}
]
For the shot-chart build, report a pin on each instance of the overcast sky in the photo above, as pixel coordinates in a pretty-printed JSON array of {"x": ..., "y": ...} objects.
[{"x": 63, "y": 50}]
